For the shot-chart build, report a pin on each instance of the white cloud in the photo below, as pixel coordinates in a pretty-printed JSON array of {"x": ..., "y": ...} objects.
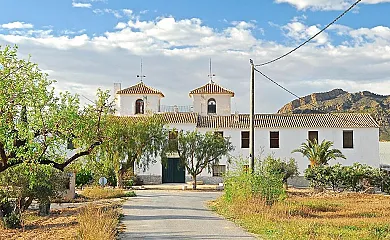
[
  {"x": 127, "y": 12},
  {"x": 81, "y": 5},
  {"x": 176, "y": 52},
  {"x": 17, "y": 25},
  {"x": 116, "y": 13},
  {"x": 120, "y": 25},
  {"x": 299, "y": 32},
  {"x": 326, "y": 5}
]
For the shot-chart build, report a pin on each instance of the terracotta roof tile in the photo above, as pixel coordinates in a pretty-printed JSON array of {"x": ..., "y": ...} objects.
[
  {"x": 169, "y": 118},
  {"x": 211, "y": 88},
  {"x": 339, "y": 120},
  {"x": 140, "y": 88}
]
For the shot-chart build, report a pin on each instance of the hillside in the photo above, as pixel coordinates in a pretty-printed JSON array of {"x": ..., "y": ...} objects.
[{"x": 339, "y": 100}]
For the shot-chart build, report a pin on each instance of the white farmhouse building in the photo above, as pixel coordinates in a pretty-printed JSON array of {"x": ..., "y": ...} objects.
[{"x": 356, "y": 135}]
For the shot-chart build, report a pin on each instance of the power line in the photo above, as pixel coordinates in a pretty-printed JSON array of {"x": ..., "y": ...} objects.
[
  {"x": 317, "y": 107},
  {"x": 314, "y": 36}
]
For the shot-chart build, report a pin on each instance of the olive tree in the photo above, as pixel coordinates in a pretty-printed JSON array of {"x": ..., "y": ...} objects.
[
  {"x": 133, "y": 141},
  {"x": 36, "y": 124},
  {"x": 199, "y": 151}
]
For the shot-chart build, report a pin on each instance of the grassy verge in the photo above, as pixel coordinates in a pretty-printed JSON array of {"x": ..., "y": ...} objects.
[
  {"x": 105, "y": 193},
  {"x": 98, "y": 223},
  {"x": 307, "y": 216}
]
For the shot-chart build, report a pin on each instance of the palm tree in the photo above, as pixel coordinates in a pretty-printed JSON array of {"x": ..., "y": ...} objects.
[{"x": 319, "y": 154}]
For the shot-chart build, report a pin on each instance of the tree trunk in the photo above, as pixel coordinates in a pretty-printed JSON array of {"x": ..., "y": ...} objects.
[
  {"x": 44, "y": 207},
  {"x": 194, "y": 184},
  {"x": 27, "y": 204},
  {"x": 119, "y": 178}
]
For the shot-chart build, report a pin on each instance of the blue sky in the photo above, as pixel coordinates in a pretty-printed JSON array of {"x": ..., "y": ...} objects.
[
  {"x": 87, "y": 44},
  {"x": 61, "y": 15}
]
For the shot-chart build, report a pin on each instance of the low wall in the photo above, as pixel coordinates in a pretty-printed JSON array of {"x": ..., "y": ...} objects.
[
  {"x": 151, "y": 179},
  {"x": 206, "y": 179}
]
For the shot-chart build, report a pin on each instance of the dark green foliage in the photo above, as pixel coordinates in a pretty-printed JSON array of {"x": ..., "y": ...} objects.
[
  {"x": 198, "y": 151},
  {"x": 128, "y": 183},
  {"x": 9, "y": 216},
  {"x": 83, "y": 177},
  {"x": 27, "y": 182},
  {"x": 12, "y": 220},
  {"x": 130, "y": 194},
  {"x": 275, "y": 166},
  {"x": 357, "y": 177}
]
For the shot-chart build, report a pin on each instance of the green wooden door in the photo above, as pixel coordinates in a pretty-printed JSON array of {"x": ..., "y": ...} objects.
[{"x": 173, "y": 172}]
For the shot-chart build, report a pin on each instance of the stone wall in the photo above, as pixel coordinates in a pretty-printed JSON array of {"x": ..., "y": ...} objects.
[
  {"x": 151, "y": 179},
  {"x": 206, "y": 179}
]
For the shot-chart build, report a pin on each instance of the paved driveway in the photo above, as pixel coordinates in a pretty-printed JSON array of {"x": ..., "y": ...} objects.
[{"x": 176, "y": 215}]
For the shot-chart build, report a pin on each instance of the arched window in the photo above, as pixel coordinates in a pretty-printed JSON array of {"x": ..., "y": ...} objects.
[
  {"x": 211, "y": 106},
  {"x": 139, "y": 106}
]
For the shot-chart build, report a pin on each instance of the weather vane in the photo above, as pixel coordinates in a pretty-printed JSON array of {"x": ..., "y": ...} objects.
[
  {"x": 211, "y": 75},
  {"x": 141, "y": 76}
]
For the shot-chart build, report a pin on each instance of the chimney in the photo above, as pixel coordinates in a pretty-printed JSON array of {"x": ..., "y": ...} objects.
[{"x": 117, "y": 87}]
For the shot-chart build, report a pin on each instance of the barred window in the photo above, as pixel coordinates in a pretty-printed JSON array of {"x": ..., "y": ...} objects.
[
  {"x": 274, "y": 139},
  {"x": 348, "y": 139},
  {"x": 245, "y": 139},
  {"x": 219, "y": 170}
]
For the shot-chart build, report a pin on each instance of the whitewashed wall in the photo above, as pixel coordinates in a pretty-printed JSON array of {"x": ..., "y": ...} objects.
[
  {"x": 384, "y": 153},
  {"x": 156, "y": 169},
  {"x": 365, "y": 149},
  {"x": 126, "y": 103},
  {"x": 223, "y": 101}
]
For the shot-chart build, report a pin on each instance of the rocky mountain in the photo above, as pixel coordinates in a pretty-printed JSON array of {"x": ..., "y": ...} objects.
[{"x": 339, "y": 100}]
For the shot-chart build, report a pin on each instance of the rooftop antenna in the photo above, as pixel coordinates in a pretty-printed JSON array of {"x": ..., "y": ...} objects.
[
  {"x": 211, "y": 75},
  {"x": 142, "y": 76}
]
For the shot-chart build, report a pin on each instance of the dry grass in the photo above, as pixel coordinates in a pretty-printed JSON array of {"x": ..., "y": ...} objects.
[
  {"x": 105, "y": 193},
  {"x": 73, "y": 223},
  {"x": 98, "y": 223},
  {"x": 61, "y": 224},
  {"x": 304, "y": 215}
]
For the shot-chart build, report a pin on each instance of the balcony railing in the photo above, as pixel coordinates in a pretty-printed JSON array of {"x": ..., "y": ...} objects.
[{"x": 175, "y": 108}]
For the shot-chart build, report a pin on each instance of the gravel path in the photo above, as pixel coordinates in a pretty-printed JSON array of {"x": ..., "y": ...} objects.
[{"x": 176, "y": 215}]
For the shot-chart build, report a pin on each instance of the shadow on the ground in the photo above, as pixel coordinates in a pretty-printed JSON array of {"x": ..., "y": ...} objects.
[
  {"x": 180, "y": 235},
  {"x": 146, "y": 207}
]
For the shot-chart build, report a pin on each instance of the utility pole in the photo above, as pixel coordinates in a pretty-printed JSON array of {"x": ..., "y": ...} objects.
[{"x": 251, "y": 118}]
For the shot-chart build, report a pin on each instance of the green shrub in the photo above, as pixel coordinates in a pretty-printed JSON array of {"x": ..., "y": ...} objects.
[
  {"x": 128, "y": 183},
  {"x": 385, "y": 184},
  {"x": 264, "y": 183},
  {"x": 326, "y": 176},
  {"x": 276, "y": 166},
  {"x": 357, "y": 177},
  {"x": 29, "y": 181},
  {"x": 83, "y": 177},
  {"x": 12, "y": 220}
]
